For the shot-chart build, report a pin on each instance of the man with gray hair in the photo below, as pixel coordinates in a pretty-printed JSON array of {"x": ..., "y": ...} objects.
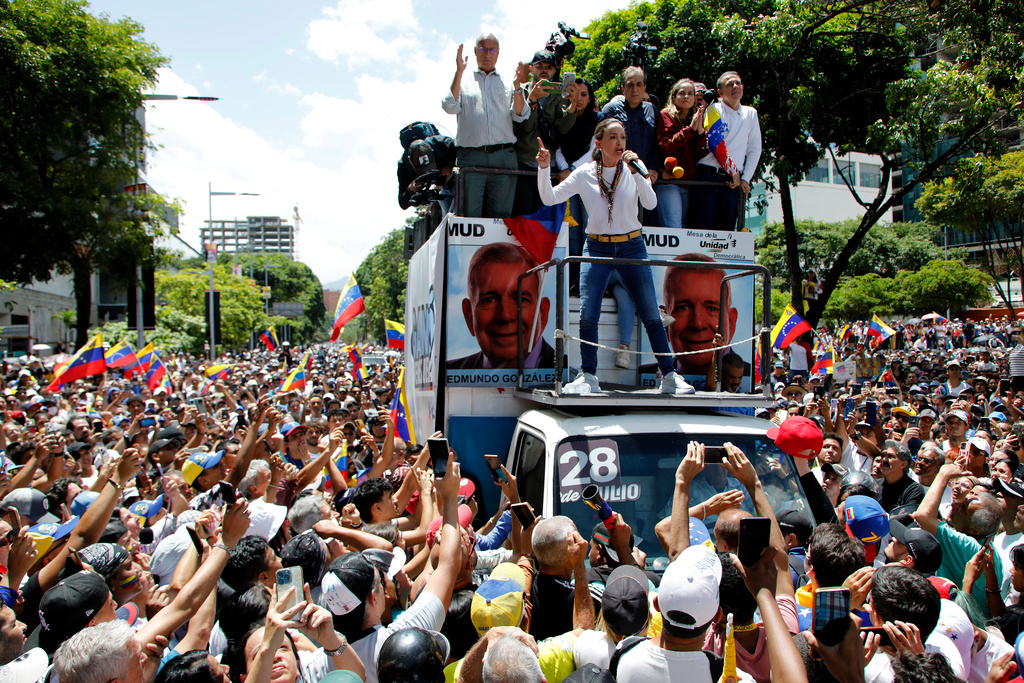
[
  {"x": 100, "y": 654},
  {"x": 560, "y": 552},
  {"x": 306, "y": 512},
  {"x": 981, "y": 518},
  {"x": 486, "y": 109},
  {"x": 510, "y": 660},
  {"x": 891, "y": 465}
]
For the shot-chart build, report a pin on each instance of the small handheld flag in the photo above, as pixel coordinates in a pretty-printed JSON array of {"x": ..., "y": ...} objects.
[
  {"x": 86, "y": 362},
  {"x": 269, "y": 339},
  {"x": 825, "y": 363},
  {"x": 396, "y": 334},
  {"x": 121, "y": 355},
  {"x": 295, "y": 380},
  {"x": 219, "y": 371},
  {"x": 156, "y": 372},
  {"x": 141, "y": 363},
  {"x": 879, "y": 330},
  {"x": 790, "y": 326},
  {"x": 350, "y": 304},
  {"x": 357, "y": 363},
  {"x": 400, "y": 412}
]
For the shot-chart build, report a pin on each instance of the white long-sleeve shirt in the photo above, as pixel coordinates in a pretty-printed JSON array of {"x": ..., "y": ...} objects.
[
  {"x": 485, "y": 110},
  {"x": 583, "y": 181},
  {"x": 742, "y": 139}
]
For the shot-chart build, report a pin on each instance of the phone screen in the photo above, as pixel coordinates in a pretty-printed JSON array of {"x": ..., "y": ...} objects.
[
  {"x": 523, "y": 513},
  {"x": 438, "y": 455},
  {"x": 754, "y": 536},
  {"x": 831, "y": 614},
  {"x": 147, "y": 422},
  {"x": 494, "y": 466},
  {"x": 714, "y": 455},
  {"x": 871, "y": 412},
  {"x": 884, "y": 641},
  {"x": 848, "y": 407}
]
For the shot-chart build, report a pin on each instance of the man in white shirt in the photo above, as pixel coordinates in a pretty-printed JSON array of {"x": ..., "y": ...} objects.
[
  {"x": 736, "y": 137},
  {"x": 485, "y": 111},
  {"x": 955, "y": 382}
]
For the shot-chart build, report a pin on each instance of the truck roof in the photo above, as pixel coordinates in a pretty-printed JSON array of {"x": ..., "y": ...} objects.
[{"x": 560, "y": 424}]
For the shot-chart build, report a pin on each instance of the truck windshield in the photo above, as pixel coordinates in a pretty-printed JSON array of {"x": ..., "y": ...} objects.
[{"x": 636, "y": 476}]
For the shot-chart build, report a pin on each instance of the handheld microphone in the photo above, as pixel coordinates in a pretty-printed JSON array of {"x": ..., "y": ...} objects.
[{"x": 638, "y": 167}]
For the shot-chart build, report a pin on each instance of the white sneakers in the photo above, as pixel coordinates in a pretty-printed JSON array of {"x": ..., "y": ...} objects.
[
  {"x": 673, "y": 383},
  {"x": 622, "y": 357},
  {"x": 585, "y": 383}
]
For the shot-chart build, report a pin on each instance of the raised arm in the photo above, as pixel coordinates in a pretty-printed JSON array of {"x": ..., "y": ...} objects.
[
  {"x": 927, "y": 515},
  {"x": 689, "y": 467},
  {"x": 248, "y": 448},
  {"x": 442, "y": 581}
]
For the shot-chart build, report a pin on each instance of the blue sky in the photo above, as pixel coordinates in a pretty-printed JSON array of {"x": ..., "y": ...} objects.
[{"x": 312, "y": 97}]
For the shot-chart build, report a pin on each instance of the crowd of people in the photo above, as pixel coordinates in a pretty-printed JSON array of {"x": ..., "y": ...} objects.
[{"x": 253, "y": 535}]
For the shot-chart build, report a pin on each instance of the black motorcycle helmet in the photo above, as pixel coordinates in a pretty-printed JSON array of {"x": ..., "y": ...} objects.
[{"x": 412, "y": 655}]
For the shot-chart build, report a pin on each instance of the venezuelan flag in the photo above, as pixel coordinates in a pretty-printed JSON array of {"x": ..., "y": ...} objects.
[
  {"x": 350, "y": 304},
  {"x": 758, "y": 377},
  {"x": 789, "y": 327},
  {"x": 400, "y": 412},
  {"x": 845, "y": 332},
  {"x": 218, "y": 371},
  {"x": 269, "y": 339},
  {"x": 141, "y": 363},
  {"x": 879, "y": 330},
  {"x": 121, "y": 355},
  {"x": 295, "y": 380},
  {"x": 716, "y": 129},
  {"x": 207, "y": 385},
  {"x": 357, "y": 363},
  {"x": 156, "y": 372},
  {"x": 538, "y": 231},
  {"x": 307, "y": 362},
  {"x": 824, "y": 364},
  {"x": 341, "y": 462},
  {"x": 396, "y": 334},
  {"x": 86, "y": 362}
]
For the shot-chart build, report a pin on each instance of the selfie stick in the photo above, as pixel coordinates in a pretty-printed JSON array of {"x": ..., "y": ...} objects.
[{"x": 592, "y": 497}]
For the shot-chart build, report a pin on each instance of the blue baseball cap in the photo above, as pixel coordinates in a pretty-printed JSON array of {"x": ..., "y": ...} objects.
[
  {"x": 82, "y": 502},
  {"x": 867, "y": 522},
  {"x": 147, "y": 509},
  {"x": 199, "y": 463}
]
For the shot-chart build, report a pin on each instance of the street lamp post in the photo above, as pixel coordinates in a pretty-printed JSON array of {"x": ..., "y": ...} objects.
[
  {"x": 139, "y": 323},
  {"x": 210, "y": 195}
]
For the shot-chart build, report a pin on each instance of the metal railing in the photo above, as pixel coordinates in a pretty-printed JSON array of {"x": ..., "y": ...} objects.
[{"x": 735, "y": 271}]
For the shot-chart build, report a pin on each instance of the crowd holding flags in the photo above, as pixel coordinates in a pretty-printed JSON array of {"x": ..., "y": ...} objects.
[
  {"x": 825, "y": 363},
  {"x": 295, "y": 380},
  {"x": 350, "y": 304},
  {"x": 879, "y": 330},
  {"x": 155, "y": 372},
  {"x": 218, "y": 371},
  {"x": 396, "y": 334},
  {"x": 121, "y": 355},
  {"x": 358, "y": 371},
  {"x": 269, "y": 339}
]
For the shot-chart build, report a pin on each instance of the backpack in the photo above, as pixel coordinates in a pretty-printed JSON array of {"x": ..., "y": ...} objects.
[
  {"x": 716, "y": 663},
  {"x": 420, "y": 130}
]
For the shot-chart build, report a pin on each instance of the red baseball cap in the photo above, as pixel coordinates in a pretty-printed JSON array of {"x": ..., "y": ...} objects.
[
  {"x": 797, "y": 436},
  {"x": 465, "y": 519}
]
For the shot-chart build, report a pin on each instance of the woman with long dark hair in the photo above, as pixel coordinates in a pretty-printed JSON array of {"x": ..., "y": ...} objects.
[{"x": 610, "y": 187}]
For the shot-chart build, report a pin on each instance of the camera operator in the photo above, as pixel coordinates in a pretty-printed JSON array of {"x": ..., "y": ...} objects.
[{"x": 552, "y": 114}]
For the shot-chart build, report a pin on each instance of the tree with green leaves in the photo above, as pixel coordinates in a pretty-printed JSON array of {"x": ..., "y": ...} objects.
[
  {"x": 941, "y": 285},
  {"x": 72, "y": 83},
  {"x": 856, "y": 298},
  {"x": 984, "y": 196},
  {"x": 888, "y": 249},
  {"x": 382, "y": 277},
  {"x": 833, "y": 77},
  {"x": 241, "y": 302}
]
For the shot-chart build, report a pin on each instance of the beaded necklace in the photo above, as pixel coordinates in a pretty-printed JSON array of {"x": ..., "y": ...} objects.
[{"x": 608, "y": 191}]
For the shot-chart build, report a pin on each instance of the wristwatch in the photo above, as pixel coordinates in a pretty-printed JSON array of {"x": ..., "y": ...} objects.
[{"x": 341, "y": 648}]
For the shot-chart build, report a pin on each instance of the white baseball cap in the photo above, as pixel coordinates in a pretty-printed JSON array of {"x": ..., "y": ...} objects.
[{"x": 688, "y": 594}]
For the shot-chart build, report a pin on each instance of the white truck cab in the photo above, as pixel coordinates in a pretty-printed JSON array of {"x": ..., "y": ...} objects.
[{"x": 632, "y": 458}]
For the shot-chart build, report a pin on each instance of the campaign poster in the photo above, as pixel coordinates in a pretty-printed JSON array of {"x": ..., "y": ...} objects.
[
  {"x": 482, "y": 347},
  {"x": 423, "y": 300},
  {"x": 693, "y": 298}
]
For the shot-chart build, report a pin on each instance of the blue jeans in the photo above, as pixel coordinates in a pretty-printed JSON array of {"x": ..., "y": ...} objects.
[
  {"x": 638, "y": 282},
  {"x": 673, "y": 204},
  {"x": 624, "y": 306}
]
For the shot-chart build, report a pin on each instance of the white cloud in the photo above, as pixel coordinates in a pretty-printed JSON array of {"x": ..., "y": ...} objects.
[
  {"x": 260, "y": 76},
  {"x": 364, "y": 32}
]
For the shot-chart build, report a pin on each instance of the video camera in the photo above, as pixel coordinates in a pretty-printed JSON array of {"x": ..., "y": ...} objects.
[
  {"x": 560, "y": 42},
  {"x": 636, "y": 49},
  {"x": 709, "y": 96}
]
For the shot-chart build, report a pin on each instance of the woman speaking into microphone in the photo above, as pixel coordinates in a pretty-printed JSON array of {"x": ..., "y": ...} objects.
[{"x": 610, "y": 188}]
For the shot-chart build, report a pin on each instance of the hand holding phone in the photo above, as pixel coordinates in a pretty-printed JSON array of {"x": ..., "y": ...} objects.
[
  {"x": 715, "y": 455},
  {"x": 524, "y": 513},
  {"x": 494, "y": 467},
  {"x": 754, "y": 537},
  {"x": 438, "y": 448},
  {"x": 289, "y": 577},
  {"x": 831, "y": 617}
]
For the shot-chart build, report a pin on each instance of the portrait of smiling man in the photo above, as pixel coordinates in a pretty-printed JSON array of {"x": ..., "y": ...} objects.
[{"x": 490, "y": 310}]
